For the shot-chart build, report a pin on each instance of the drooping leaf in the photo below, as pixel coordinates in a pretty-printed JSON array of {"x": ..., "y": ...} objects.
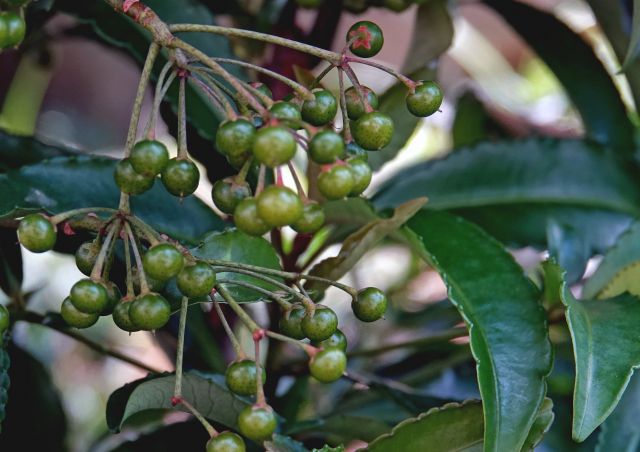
[
  {"x": 393, "y": 103},
  {"x": 10, "y": 262},
  {"x": 66, "y": 183},
  {"x": 17, "y": 151},
  {"x": 235, "y": 246},
  {"x": 185, "y": 436},
  {"x": 5, "y": 380},
  {"x": 507, "y": 325},
  {"x": 621, "y": 430},
  {"x": 568, "y": 248},
  {"x": 432, "y": 35},
  {"x": 453, "y": 427},
  {"x": 606, "y": 349},
  {"x": 619, "y": 271},
  {"x": 362, "y": 241},
  {"x": 206, "y": 392},
  {"x": 513, "y": 188},
  {"x": 580, "y": 72},
  {"x": 34, "y": 411}
]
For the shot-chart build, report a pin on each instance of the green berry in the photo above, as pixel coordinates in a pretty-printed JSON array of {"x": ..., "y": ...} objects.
[
  {"x": 274, "y": 146},
  {"x": 336, "y": 340},
  {"x": 149, "y": 157},
  {"x": 291, "y": 323},
  {"x": 373, "y": 131},
  {"x": 328, "y": 365},
  {"x": 337, "y": 182},
  {"x": 320, "y": 111},
  {"x": 287, "y": 113},
  {"x": 355, "y": 107},
  {"x": 257, "y": 424},
  {"x": 149, "y": 312},
  {"x": 264, "y": 89},
  {"x": 180, "y": 177},
  {"x": 227, "y": 194},
  {"x": 370, "y": 304},
  {"x": 238, "y": 161},
  {"x": 12, "y": 29},
  {"x": 162, "y": 261},
  {"x": 279, "y": 206},
  {"x": 361, "y": 176},
  {"x": 241, "y": 377},
  {"x": 155, "y": 285},
  {"x": 226, "y": 442},
  {"x": 121, "y": 317},
  {"x": 312, "y": 219},
  {"x": 247, "y": 219},
  {"x": 113, "y": 297},
  {"x": 129, "y": 181},
  {"x": 4, "y": 320},
  {"x": 426, "y": 99},
  {"x": 89, "y": 296},
  {"x": 86, "y": 256},
  {"x": 397, "y": 5},
  {"x": 353, "y": 150},
  {"x": 36, "y": 233},
  {"x": 320, "y": 324},
  {"x": 196, "y": 280},
  {"x": 75, "y": 318},
  {"x": 369, "y": 39},
  {"x": 235, "y": 138},
  {"x": 326, "y": 147}
]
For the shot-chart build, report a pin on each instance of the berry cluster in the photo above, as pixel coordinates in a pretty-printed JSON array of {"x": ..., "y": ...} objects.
[
  {"x": 259, "y": 135},
  {"x": 12, "y": 25}
]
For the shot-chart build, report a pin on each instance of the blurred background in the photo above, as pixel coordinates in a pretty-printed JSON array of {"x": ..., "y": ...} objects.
[{"x": 79, "y": 93}]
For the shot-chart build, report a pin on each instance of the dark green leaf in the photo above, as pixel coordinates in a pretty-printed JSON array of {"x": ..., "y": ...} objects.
[
  {"x": 235, "y": 246},
  {"x": 206, "y": 392},
  {"x": 621, "y": 430},
  {"x": 35, "y": 415},
  {"x": 604, "y": 334},
  {"x": 10, "y": 262},
  {"x": 581, "y": 73},
  {"x": 472, "y": 123},
  {"x": 513, "y": 189},
  {"x": 393, "y": 103},
  {"x": 184, "y": 436},
  {"x": 453, "y": 427},
  {"x": 568, "y": 248},
  {"x": 17, "y": 151},
  {"x": 281, "y": 443},
  {"x": 5, "y": 380},
  {"x": 360, "y": 242},
  {"x": 619, "y": 270},
  {"x": 634, "y": 41},
  {"x": 507, "y": 325},
  {"x": 118, "y": 30},
  {"x": 432, "y": 35},
  {"x": 66, "y": 183}
]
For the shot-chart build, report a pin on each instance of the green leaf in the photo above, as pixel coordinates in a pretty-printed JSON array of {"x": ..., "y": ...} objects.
[
  {"x": 513, "y": 188},
  {"x": 360, "y": 242},
  {"x": 10, "y": 263},
  {"x": 66, "y": 183},
  {"x": 580, "y": 72},
  {"x": 17, "y": 151},
  {"x": 472, "y": 123},
  {"x": 393, "y": 103},
  {"x": 120, "y": 31},
  {"x": 184, "y": 436},
  {"x": 507, "y": 325},
  {"x": 281, "y": 443},
  {"x": 327, "y": 448},
  {"x": 619, "y": 271},
  {"x": 34, "y": 412},
  {"x": 567, "y": 247},
  {"x": 206, "y": 392},
  {"x": 606, "y": 349},
  {"x": 5, "y": 380},
  {"x": 432, "y": 35},
  {"x": 634, "y": 41},
  {"x": 621, "y": 431},
  {"x": 235, "y": 246}
]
